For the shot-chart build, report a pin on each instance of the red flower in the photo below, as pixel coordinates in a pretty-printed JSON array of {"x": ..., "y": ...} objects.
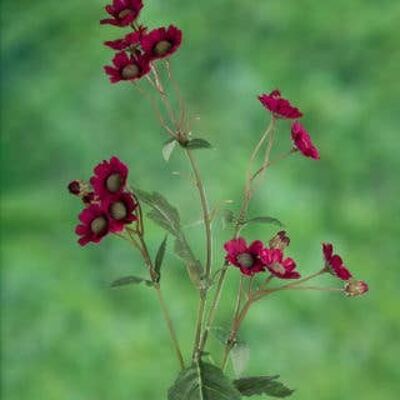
[
  {"x": 278, "y": 266},
  {"x": 280, "y": 107},
  {"x": 355, "y": 288},
  {"x": 303, "y": 142},
  {"x": 127, "y": 68},
  {"x": 120, "y": 209},
  {"x": 334, "y": 263},
  {"x": 109, "y": 178},
  {"x": 94, "y": 225},
  {"x": 247, "y": 258},
  {"x": 130, "y": 41},
  {"x": 124, "y": 12},
  {"x": 161, "y": 42}
]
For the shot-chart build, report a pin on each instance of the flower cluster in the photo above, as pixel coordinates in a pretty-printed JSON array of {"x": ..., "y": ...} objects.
[
  {"x": 282, "y": 108},
  {"x": 138, "y": 49},
  {"x": 109, "y": 206},
  {"x": 257, "y": 257}
]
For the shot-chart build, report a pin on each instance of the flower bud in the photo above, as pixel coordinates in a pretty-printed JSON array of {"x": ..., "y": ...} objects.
[
  {"x": 355, "y": 288},
  {"x": 279, "y": 241},
  {"x": 74, "y": 187}
]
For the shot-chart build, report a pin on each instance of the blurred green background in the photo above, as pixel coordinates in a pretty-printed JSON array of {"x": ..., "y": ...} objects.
[{"x": 65, "y": 335}]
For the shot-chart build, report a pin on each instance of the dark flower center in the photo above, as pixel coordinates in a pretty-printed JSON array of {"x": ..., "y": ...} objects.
[
  {"x": 98, "y": 225},
  {"x": 130, "y": 71},
  {"x": 162, "y": 47},
  {"x": 114, "y": 183},
  {"x": 278, "y": 268},
  {"x": 124, "y": 13},
  {"x": 118, "y": 210},
  {"x": 245, "y": 260}
]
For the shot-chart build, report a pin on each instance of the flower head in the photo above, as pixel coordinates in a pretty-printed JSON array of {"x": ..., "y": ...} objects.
[
  {"x": 94, "y": 225},
  {"x": 161, "y": 42},
  {"x": 123, "y": 12},
  {"x": 334, "y": 263},
  {"x": 130, "y": 41},
  {"x": 109, "y": 178},
  {"x": 280, "y": 267},
  {"x": 121, "y": 210},
  {"x": 279, "y": 241},
  {"x": 247, "y": 258},
  {"x": 303, "y": 142},
  {"x": 278, "y": 106},
  {"x": 127, "y": 68},
  {"x": 355, "y": 288}
]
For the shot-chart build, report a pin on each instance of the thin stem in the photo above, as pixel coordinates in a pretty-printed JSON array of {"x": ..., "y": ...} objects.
[{"x": 199, "y": 326}]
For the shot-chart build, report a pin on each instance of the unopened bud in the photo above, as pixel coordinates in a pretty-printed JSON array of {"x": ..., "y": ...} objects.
[
  {"x": 279, "y": 241},
  {"x": 355, "y": 288}
]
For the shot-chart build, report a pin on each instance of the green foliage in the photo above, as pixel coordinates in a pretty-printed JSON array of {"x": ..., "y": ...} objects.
[
  {"x": 130, "y": 280},
  {"x": 198, "y": 144},
  {"x": 258, "y": 385},
  {"x": 203, "y": 381},
  {"x": 160, "y": 257},
  {"x": 263, "y": 220}
]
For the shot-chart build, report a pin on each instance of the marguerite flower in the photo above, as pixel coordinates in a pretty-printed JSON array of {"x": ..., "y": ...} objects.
[
  {"x": 94, "y": 225},
  {"x": 278, "y": 106},
  {"x": 161, "y": 42},
  {"x": 123, "y": 12},
  {"x": 280, "y": 267},
  {"x": 334, "y": 263},
  {"x": 302, "y": 141}
]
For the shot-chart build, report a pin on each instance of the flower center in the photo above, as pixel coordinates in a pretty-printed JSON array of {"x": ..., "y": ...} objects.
[
  {"x": 162, "y": 47},
  {"x": 130, "y": 71},
  {"x": 98, "y": 225},
  {"x": 278, "y": 268},
  {"x": 118, "y": 210},
  {"x": 124, "y": 13},
  {"x": 245, "y": 260},
  {"x": 113, "y": 183}
]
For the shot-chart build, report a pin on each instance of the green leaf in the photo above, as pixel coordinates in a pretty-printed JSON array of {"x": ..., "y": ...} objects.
[
  {"x": 203, "y": 381},
  {"x": 130, "y": 280},
  {"x": 168, "y": 149},
  {"x": 160, "y": 257},
  {"x": 240, "y": 355},
  {"x": 193, "y": 266},
  {"x": 264, "y": 220},
  {"x": 198, "y": 144},
  {"x": 257, "y": 385},
  {"x": 163, "y": 213}
]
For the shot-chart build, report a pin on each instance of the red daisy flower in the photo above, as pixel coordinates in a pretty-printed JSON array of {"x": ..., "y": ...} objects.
[
  {"x": 247, "y": 258},
  {"x": 355, "y": 288},
  {"x": 109, "y": 178},
  {"x": 130, "y": 41},
  {"x": 120, "y": 209},
  {"x": 127, "y": 68},
  {"x": 334, "y": 263},
  {"x": 279, "y": 241},
  {"x": 94, "y": 225},
  {"x": 161, "y": 42},
  {"x": 124, "y": 12},
  {"x": 302, "y": 141},
  {"x": 280, "y": 107},
  {"x": 278, "y": 266}
]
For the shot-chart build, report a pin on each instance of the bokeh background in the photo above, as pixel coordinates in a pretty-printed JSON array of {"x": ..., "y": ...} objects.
[{"x": 65, "y": 334}]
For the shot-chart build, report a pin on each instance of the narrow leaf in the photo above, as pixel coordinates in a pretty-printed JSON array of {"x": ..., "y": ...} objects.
[
  {"x": 264, "y": 220},
  {"x": 160, "y": 256},
  {"x": 203, "y": 381},
  {"x": 168, "y": 149},
  {"x": 198, "y": 144},
  {"x": 262, "y": 385},
  {"x": 240, "y": 355},
  {"x": 130, "y": 280}
]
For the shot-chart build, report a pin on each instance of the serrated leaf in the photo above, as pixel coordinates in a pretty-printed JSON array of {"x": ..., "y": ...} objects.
[
  {"x": 168, "y": 149},
  {"x": 257, "y": 385},
  {"x": 160, "y": 257},
  {"x": 264, "y": 220},
  {"x": 198, "y": 144},
  {"x": 240, "y": 355},
  {"x": 193, "y": 266},
  {"x": 203, "y": 381},
  {"x": 162, "y": 213},
  {"x": 130, "y": 280}
]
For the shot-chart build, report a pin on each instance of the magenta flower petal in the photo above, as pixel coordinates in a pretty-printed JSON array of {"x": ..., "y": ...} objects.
[
  {"x": 94, "y": 225},
  {"x": 279, "y": 266},
  {"x": 334, "y": 263},
  {"x": 279, "y": 106},
  {"x": 302, "y": 141},
  {"x": 161, "y": 42},
  {"x": 123, "y": 12}
]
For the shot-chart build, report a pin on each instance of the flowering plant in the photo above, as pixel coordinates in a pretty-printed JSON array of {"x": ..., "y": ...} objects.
[{"x": 112, "y": 207}]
